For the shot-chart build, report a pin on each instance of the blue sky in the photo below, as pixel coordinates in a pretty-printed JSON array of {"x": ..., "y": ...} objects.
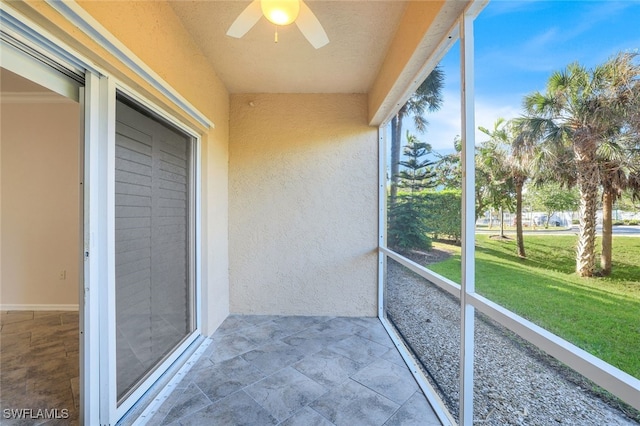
[{"x": 518, "y": 44}]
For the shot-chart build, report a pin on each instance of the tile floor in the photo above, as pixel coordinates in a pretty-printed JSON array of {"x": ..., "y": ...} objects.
[
  {"x": 39, "y": 364},
  {"x": 270, "y": 370}
]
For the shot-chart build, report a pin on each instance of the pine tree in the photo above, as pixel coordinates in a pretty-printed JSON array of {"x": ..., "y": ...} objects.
[{"x": 407, "y": 229}]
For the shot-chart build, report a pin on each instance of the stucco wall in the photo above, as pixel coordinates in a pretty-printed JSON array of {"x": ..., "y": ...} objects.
[
  {"x": 303, "y": 205},
  {"x": 40, "y": 205}
]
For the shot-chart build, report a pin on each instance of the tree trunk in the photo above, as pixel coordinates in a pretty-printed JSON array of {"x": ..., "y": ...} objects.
[
  {"x": 588, "y": 183},
  {"x": 396, "y": 146},
  {"x": 519, "y": 235},
  {"x": 479, "y": 204},
  {"x": 501, "y": 223},
  {"x": 607, "y": 232}
]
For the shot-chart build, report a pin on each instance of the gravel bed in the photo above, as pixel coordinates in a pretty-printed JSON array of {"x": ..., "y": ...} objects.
[{"x": 515, "y": 384}]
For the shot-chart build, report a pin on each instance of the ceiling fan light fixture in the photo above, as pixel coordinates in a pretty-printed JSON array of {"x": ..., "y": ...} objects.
[{"x": 280, "y": 12}]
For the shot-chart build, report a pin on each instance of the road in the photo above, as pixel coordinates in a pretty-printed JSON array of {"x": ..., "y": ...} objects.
[{"x": 622, "y": 230}]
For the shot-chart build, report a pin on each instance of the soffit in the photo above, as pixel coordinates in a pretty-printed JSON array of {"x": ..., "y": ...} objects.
[{"x": 360, "y": 32}]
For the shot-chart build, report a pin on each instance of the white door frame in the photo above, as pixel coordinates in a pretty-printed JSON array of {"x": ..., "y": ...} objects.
[
  {"x": 96, "y": 250},
  {"x": 110, "y": 411}
]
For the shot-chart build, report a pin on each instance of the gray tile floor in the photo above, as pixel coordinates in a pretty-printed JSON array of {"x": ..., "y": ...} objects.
[
  {"x": 39, "y": 365},
  {"x": 271, "y": 370}
]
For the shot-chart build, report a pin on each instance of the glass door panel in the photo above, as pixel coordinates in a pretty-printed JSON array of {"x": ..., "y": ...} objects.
[{"x": 153, "y": 243}]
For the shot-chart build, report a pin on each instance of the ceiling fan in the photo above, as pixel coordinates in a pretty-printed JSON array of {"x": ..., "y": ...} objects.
[{"x": 281, "y": 12}]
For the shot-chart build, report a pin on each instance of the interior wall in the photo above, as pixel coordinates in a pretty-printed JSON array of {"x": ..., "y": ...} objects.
[
  {"x": 40, "y": 205},
  {"x": 1, "y": 203},
  {"x": 303, "y": 211}
]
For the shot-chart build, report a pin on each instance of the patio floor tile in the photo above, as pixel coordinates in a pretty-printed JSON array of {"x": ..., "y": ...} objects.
[
  {"x": 273, "y": 357},
  {"x": 328, "y": 368},
  {"x": 388, "y": 379},
  {"x": 306, "y": 417},
  {"x": 236, "y": 409},
  {"x": 226, "y": 378},
  {"x": 289, "y": 371},
  {"x": 415, "y": 412},
  {"x": 359, "y": 349},
  {"x": 354, "y": 404},
  {"x": 285, "y": 392},
  {"x": 190, "y": 400}
]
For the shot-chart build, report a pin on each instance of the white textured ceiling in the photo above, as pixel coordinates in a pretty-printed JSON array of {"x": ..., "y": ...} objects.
[{"x": 360, "y": 32}]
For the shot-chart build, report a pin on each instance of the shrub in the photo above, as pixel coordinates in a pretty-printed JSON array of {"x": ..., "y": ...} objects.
[{"x": 443, "y": 214}]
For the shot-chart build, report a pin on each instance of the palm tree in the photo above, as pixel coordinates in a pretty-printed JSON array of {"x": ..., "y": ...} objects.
[
  {"x": 428, "y": 97},
  {"x": 618, "y": 155},
  {"x": 578, "y": 111},
  {"x": 496, "y": 183},
  {"x": 619, "y": 168},
  {"x": 513, "y": 151}
]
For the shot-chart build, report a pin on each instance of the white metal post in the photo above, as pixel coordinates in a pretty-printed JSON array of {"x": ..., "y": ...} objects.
[
  {"x": 468, "y": 222},
  {"x": 96, "y": 357},
  {"x": 198, "y": 307},
  {"x": 382, "y": 216},
  {"x": 94, "y": 252},
  {"x": 106, "y": 196}
]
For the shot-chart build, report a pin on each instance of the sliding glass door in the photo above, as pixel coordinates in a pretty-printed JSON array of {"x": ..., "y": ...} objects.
[{"x": 154, "y": 240}]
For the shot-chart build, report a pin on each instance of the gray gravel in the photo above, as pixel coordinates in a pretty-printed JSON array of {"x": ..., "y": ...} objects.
[{"x": 514, "y": 383}]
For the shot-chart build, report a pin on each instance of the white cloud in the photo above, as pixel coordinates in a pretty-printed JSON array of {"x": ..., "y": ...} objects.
[
  {"x": 542, "y": 40},
  {"x": 488, "y": 111}
]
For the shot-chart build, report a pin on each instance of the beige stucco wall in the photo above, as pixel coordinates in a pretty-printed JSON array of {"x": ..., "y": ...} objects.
[
  {"x": 40, "y": 205},
  {"x": 303, "y": 205},
  {"x": 152, "y": 31}
]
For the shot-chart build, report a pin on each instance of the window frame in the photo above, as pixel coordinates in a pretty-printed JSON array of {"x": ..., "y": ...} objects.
[{"x": 619, "y": 383}]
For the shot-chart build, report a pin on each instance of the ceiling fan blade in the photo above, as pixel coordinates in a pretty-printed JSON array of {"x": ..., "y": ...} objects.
[
  {"x": 311, "y": 27},
  {"x": 246, "y": 20}
]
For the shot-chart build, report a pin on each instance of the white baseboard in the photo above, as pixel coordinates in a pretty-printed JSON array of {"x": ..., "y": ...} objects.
[{"x": 8, "y": 307}]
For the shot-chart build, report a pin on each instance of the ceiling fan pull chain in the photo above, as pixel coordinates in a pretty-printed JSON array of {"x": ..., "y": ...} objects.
[{"x": 276, "y": 34}]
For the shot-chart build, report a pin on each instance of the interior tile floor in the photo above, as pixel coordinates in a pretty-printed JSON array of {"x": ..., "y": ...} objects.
[
  {"x": 39, "y": 366},
  {"x": 272, "y": 370}
]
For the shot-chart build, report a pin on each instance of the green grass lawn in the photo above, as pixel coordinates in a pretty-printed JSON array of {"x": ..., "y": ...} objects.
[{"x": 600, "y": 315}]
